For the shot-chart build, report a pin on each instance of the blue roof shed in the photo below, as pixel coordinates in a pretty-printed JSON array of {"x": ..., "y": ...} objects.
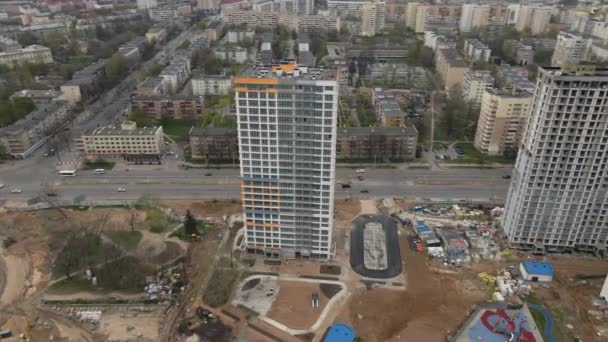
[
  {"x": 538, "y": 267},
  {"x": 340, "y": 332}
]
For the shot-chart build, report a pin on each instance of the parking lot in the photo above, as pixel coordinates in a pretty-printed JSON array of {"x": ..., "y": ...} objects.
[{"x": 444, "y": 151}]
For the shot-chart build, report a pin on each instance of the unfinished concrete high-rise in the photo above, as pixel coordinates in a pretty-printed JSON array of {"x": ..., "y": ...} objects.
[{"x": 558, "y": 198}]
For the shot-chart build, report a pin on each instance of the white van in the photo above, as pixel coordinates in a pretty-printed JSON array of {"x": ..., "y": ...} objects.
[{"x": 99, "y": 171}]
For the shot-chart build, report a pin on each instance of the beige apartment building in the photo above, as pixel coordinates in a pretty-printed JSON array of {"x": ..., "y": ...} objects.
[
  {"x": 536, "y": 18},
  {"x": 126, "y": 142},
  {"x": 501, "y": 120},
  {"x": 372, "y": 18},
  {"x": 35, "y": 54},
  {"x": 429, "y": 17},
  {"x": 475, "y": 83},
  {"x": 451, "y": 67},
  {"x": 410, "y": 14}
]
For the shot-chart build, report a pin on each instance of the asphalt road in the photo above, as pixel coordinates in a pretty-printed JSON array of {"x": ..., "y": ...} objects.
[{"x": 477, "y": 184}]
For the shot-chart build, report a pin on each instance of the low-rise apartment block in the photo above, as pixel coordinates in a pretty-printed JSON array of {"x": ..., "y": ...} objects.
[
  {"x": 9, "y": 45},
  {"x": 363, "y": 144},
  {"x": 475, "y": 50},
  {"x": 175, "y": 75},
  {"x": 297, "y": 23},
  {"x": 387, "y": 109},
  {"x": 214, "y": 144},
  {"x": 175, "y": 107},
  {"x": 521, "y": 53},
  {"x": 39, "y": 97},
  {"x": 231, "y": 54},
  {"x": 515, "y": 77},
  {"x": 23, "y": 137},
  {"x": 502, "y": 120},
  {"x": 156, "y": 34},
  {"x": 128, "y": 142},
  {"x": 238, "y": 36},
  {"x": 435, "y": 41},
  {"x": 211, "y": 85},
  {"x": 451, "y": 67},
  {"x": 396, "y": 73},
  {"x": 151, "y": 86},
  {"x": 34, "y": 54},
  {"x": 376, "y": 144},
  {"x": 84, "y": 83},
  {"x": 475, "y": 83}
]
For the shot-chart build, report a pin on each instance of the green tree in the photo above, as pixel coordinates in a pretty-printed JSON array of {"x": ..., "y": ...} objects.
[
  {"x": 190, "y": 224},
  {"x": 116, "y": 69},
  {"x": 247, "y": 42},
  {"x": 185, "y": 44},
  {"x": 139, "y": 117},
  {"x": 155, "y": 69}
]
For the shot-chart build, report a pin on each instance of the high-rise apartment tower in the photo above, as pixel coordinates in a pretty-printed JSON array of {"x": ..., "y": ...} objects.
[
  {"x": 287, "y": 146},
  {"x": 558, "y": 199}
]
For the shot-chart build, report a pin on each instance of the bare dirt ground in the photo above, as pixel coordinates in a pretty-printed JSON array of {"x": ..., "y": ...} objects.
[
  {"x": 368, "y": 207},
  {"x": 125, "y": 327},
  {"x": 434, "y": 304},
  {"x": 205, "y": 208},
  {"x": 16, "y": 270},
  {"x": 293, "y": 308}
]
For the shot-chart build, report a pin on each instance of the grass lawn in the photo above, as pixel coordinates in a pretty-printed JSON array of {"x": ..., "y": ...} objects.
[
  {"x": 220, "y": 286},
  {"x": 99, "y": 164},
  {"x": 178, "y": 129},
  {"x": 473, "y": 156},
  {"x": 73, "y": 284},
  {"x": 157, "y": 220},
  {"x": 125, "y": 238}
]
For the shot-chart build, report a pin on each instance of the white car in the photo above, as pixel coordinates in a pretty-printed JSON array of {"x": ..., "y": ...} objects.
[
  {"x": 1, "y": 185},
  {"x": 16, "y": 191},
  {"x": 360, "y": 171},
  {"x": 121, "y": 189},
  {"x": 177, "y": 156}
]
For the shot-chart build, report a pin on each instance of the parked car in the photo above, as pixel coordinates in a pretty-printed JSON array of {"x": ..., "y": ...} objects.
[
  {"x": 360, "y": 171},
  {"x": 506, "y": 177},
  {"x": 121, "y": 189},
  {"x": 364, "y": 191},
  {"x": 16, "y": 191},
  {"x": 208, "y": 174}
]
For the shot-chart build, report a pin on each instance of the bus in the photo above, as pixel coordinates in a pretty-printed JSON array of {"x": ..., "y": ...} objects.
[
  {"x": 67, "y": 173},
  {"x": 99, "y": 171}
]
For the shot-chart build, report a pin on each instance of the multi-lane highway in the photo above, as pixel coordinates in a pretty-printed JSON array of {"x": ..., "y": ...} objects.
[{"x": 482, "y": 184}]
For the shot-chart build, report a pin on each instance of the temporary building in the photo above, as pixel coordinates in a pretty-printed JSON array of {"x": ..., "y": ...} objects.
[
  {"x": 536, "y": 271},
  {"x": 340, "y": 332},
  {"x": 604, "y": 291}
]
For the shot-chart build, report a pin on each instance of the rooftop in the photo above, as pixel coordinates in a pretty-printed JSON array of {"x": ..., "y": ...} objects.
[
  {"x": 211, "y": 131},
  {"x": 151, "y": 82},
  {"x": 290, "y": 70},
  {"x": 538, "y": 267},
  {"x": 388, "y": 131},
  {"x": 114, "y": 130},
  {"x": 453, "y": 58}
]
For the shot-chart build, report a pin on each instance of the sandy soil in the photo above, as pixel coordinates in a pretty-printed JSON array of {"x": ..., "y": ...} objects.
[
  {"x": 433, "y": 305},
  {"x": 16, "y": 270},
  {"x": 346, "y": 209},
  {"x": 205, "y": 208},
  {"x": 293, "y": 308},
  {"x": 368, "y": 207},
  {"x": 123, "y": 327}
]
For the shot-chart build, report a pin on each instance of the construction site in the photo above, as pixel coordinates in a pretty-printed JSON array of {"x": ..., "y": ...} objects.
[{"x": 403, "y": 270}]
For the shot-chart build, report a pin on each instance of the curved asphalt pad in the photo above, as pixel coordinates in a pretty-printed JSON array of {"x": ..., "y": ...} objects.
[{"x": 369, "y": 255}]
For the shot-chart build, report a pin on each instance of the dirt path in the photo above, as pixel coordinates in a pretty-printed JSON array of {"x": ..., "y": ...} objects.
[{"x": 16, "y": 271}]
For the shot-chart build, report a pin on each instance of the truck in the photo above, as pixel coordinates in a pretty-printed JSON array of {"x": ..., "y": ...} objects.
[{"x": 345, "y": 185}]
